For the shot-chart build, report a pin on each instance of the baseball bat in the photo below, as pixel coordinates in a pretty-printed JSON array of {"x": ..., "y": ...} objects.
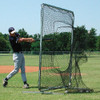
[{"x": 46, "y": 39}]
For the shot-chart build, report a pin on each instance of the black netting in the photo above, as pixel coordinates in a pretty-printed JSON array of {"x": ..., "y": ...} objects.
[{"x": 60, "y": 58}]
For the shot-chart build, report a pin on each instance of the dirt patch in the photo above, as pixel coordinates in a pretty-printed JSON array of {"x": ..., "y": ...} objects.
[
  {"x": 8, "y": 69},
  {"x": 28, "y": 69}
]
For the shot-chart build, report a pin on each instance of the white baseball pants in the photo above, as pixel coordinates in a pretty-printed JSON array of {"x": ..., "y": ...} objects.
[{"x": 19, "y": 62}]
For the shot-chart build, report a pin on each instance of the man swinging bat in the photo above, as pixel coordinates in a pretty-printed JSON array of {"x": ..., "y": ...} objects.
[{"x": 18, "y": 56}]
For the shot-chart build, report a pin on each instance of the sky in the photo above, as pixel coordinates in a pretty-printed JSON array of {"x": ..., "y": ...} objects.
[{"x": 26, "y": 14}]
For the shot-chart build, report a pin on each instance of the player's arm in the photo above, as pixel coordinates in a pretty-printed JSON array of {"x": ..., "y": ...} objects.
[{"x": 26, "y": 40}]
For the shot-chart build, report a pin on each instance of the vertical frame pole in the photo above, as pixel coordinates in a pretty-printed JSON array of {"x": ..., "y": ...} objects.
[
  {"x": 71, "y": 54},
  {"x": 40, "y": 54}
]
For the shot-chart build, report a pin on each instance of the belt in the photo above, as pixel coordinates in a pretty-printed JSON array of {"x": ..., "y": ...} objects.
[{"x": 18, "y": 52}]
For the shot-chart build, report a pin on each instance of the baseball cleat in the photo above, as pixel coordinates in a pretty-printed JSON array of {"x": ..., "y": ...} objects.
[
  {"x": 5, "y": 82},
  {"x": 26, "y": 86}
]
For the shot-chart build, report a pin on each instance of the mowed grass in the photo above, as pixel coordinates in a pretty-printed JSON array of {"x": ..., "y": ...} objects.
[
  {"x": 30, "y": 60},
  {"x": 14, "y": 90}
]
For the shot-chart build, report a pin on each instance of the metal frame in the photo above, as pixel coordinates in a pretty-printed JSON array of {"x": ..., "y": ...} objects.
[{"x": 40, "y": 55}]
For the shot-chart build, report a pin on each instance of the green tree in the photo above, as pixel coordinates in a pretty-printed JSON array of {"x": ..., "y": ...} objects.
[
  {"x": 35, "y": 46},
  {"x": 4, "y": 46},
  {"x": 92, "y": 39},
  {"x": 65, "y": 40},
  {"x": 80, "y": 38},
  {"x": 59, "y": 42},
  {"x": 98, "y": 43},
  {"x": 25, "y": 46},
  {"x": 1, "y": 35},
  {"x": 6, "y": 36}
]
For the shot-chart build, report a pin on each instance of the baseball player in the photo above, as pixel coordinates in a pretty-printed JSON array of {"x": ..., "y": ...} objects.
[{"x": 18, "y": 56}]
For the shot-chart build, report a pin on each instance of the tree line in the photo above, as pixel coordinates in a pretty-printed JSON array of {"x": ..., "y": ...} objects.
[{"x": 82, "y": 39}]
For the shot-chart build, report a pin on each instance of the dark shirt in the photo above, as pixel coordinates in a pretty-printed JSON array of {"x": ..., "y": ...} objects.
[{"x": 14, "y": 43}]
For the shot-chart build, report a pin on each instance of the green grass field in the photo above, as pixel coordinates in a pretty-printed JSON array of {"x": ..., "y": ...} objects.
[{"x": 14, "y": 90}]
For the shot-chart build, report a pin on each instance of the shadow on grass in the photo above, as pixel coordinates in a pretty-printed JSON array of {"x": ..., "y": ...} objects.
[
  {"x": 97, "y": 91},
  {"x": 14, "y": 86},
  {"x": 36, "y": 87},
  {"x": 33, "y": 87}
]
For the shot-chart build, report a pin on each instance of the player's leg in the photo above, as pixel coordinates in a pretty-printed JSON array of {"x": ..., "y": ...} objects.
[
  {"x": 23, "y": 74},
  {"x": 16, "y": 59}
]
